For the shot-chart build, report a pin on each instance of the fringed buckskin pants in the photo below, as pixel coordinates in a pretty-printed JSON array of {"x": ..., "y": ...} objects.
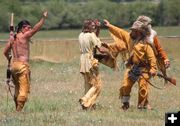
[
  {"x": 21, "y": 79},
  {"x": 127, "y": 84},
  {"x": 92, "y": 87}
]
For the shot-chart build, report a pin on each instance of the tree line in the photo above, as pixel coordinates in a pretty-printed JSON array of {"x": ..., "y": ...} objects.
[{"x": 72, "y": 13}]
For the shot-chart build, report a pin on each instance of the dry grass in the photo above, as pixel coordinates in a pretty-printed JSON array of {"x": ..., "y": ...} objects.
[{"x": 56, "y": 88}]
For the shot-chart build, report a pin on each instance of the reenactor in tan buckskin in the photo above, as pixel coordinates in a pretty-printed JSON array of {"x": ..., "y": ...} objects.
[
  {"x": 120, "y": 35},
  {"x": 141, "y": 62}
]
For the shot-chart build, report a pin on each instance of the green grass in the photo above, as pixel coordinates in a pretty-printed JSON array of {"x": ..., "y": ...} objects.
[{"x": 56, "y": 88}]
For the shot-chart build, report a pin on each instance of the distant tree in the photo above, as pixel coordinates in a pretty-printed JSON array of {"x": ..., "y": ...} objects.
[
  {"x": 7, "y": 7},
  {"x": 56, "y": 13},
  {"x": 29, "y": 1},
  {"x": 168, "y": 12},
  {"x": 131, "y": 0},
  {"x": 72, "y": 13}
]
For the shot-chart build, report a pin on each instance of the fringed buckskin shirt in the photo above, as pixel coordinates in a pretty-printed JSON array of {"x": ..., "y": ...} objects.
[{"x": 87, "y": 41}]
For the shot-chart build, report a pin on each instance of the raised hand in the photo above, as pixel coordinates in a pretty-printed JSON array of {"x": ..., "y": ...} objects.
[
  {"x": 167, "y": 63},
  {"x": 106, "y": 22},
  {"x": 45, "y": 14},
  {"x": 153, "y": 73}
]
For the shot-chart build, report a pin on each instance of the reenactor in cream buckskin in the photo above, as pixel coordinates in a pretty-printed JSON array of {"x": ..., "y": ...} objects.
[{"x": 88, "y": 41}]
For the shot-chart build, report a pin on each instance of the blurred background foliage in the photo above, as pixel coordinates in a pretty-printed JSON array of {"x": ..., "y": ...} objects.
[{"x": 71, "y": 13}]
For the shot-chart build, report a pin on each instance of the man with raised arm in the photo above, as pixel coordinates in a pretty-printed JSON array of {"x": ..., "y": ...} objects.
[
  {"x": 123, "y": 35},
  {"x": 19, "y": 44}
]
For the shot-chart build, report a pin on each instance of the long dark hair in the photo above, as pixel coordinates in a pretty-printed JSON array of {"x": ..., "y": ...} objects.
[{"x": 20, "y": 25}]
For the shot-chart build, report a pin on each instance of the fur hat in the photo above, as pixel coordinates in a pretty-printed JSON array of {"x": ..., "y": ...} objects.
[
  {"x": 144, "y": 19},
  {"x": 139, "y": 26}
]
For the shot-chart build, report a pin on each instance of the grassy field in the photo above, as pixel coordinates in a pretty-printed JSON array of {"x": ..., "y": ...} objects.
[{"x": 57, "y": 85}]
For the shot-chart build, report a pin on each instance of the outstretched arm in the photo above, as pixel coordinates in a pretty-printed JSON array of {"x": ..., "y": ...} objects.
[
  {"x": 37, "y": 26},
  {"x": 118, "y": 34}
]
